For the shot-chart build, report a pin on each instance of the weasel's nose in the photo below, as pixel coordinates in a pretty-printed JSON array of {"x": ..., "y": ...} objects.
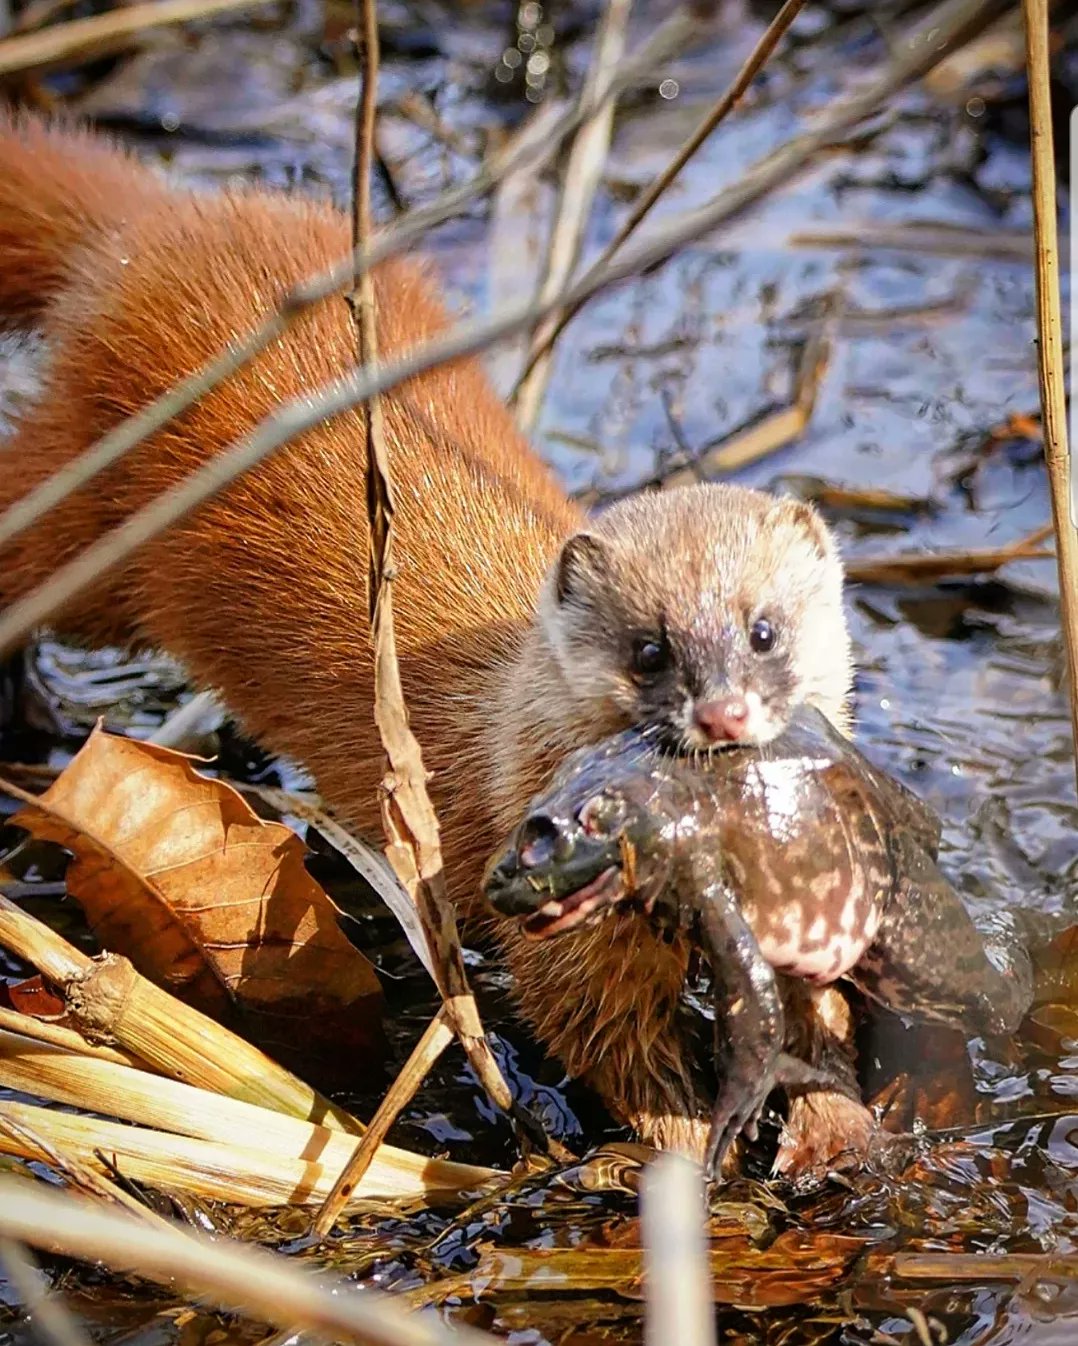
[{"x": 724, "y": 721}]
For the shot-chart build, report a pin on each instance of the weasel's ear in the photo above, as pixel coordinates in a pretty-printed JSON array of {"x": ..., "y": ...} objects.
[
  {"x": 806, "y": 518},
  {"x": 583, "y": 565}
]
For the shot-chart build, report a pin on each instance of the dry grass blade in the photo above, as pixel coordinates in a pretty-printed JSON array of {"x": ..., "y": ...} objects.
[
  {"x": 262, "y": 1285},
  {"x": 980, "y": 1267},
  {"x": 411, "y": 827},
  {"x": 953, "y": 23},
  {"x": 368, "y": 863},
  {"x": 57, "y": 1035},
  {"x": 796, "y": 1269},
  {"x": 79, "y": 39},
  {"x": 437, "y": 1037},
  {"x": 109, "y": 1002},
  {"x": 1050, "y": 332},
  {"x": 579, "y": 184},
  {"x": 756, "y": 61},
  {"x": 670, "y": 37},
  {"x": 673, "y": 1218}
]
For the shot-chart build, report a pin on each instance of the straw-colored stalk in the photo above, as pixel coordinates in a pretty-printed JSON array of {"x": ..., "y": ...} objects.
[
  {"x": 109, "y": 1002},
  {"x": 1050, "y": 334},
  {"x": 265, "y": 1286},
  {"x": 102, "y": 34}
]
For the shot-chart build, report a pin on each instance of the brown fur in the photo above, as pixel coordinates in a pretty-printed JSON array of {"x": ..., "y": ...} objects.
[{"x": 261, "y": 593}]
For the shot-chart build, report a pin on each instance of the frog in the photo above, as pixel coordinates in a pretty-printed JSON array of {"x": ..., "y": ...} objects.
[{"x": 798, "y": 858}]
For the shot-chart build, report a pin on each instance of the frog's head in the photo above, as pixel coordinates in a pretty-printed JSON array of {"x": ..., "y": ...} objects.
[{"x": 579, "y": 850}]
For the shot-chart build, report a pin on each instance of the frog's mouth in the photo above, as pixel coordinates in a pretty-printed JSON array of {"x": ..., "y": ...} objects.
[{"x": 564, "y": 913}]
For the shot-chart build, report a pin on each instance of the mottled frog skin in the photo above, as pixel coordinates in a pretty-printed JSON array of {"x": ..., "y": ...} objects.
[{"x": 799, "y": 858}]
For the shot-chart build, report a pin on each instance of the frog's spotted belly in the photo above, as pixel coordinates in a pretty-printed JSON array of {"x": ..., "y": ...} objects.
[{"x": 819, "y": 932}]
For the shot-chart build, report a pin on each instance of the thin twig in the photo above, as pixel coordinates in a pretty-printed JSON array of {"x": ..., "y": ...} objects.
[
  {"x": 757, "y": 58},
  {"x": 680, "y": 1303},
  {"x": 954, "y": 21},
  {"x": 1050, "y": 333},
  {"x": 51, "y": 1319},
  {"x": 437, "y": 1036},
  {"x": 579, "y": 184},
  {"x": 669, "y": 38},
  {"x": 78, "y": 39},
  {"x": 265, "y": 1286}
]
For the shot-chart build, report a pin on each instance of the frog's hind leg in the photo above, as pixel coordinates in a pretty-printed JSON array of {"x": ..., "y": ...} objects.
[
  {"x": 749, "y": 1019},
  {"x": 930, "y": 961}
]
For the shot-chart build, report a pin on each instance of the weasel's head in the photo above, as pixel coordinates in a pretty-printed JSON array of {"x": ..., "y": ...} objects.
[{"x": 709, "y": 612}]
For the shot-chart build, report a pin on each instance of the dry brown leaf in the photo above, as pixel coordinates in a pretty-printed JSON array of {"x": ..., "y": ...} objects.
[{"x": 175, "y": 871}]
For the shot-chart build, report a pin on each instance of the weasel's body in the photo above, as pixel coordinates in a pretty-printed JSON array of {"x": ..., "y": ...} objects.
[{"x": 261, "y": 593}]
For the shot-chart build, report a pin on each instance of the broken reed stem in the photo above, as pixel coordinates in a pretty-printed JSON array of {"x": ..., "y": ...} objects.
[
  {"x": 413, "y": 845},
  {"x": 718, "y": 113},
  {"x": 436, "y": 1038},
  {"x": 264, "y": 1286},
  {"x": 679, "y": 1305},
  {"x": 77, "y": 39},
  {"x": 1050, "y": 336},
  {"x": 952, "y": 23},
  {"x": 108, "y": 1000},
  {"x": 670, "y": 37},
  {"x": 579, "y": 185}
]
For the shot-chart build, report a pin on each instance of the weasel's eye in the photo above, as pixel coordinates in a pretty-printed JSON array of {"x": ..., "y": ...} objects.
[
  {"x": 650, "y": 656},
  {"x": 762, "y": 636}
]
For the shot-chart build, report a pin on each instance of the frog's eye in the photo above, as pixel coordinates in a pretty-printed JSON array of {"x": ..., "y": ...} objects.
[
  {"x": 762, "y": 636},
  {"x": 602, "y": 814}
]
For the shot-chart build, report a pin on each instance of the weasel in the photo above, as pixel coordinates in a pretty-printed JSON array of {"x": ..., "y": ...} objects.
[{"x": 523, "y": 629}]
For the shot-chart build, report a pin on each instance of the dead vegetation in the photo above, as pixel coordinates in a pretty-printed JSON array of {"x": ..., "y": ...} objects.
[{"x": 169, "y": 1097}]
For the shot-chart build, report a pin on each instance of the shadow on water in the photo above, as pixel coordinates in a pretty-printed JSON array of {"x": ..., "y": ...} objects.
[{"x": 911, "y": 243}]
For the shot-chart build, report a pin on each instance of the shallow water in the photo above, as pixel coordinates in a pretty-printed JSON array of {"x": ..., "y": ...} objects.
[{"x": 959, "y": 684}]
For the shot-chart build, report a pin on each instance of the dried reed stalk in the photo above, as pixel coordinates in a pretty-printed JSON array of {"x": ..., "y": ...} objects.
[
  {"x": 79, "y": 39},
  {"x": 265, "y": 1286},
  {"x": 644, "y": 203},
  {"x": 272, "y": 1153},
  {"x": 110, "y": 1002},
  {"x": 437, "y": 1037},
  {"x": 1050, "y": 333},
  {"x": 408, "y": 818},
  {"x": 673, "y": 1215},
  {"x": 579, "y": 185}
]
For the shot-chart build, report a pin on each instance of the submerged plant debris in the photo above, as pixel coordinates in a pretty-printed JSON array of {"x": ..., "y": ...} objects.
[{"x": 906, "y": 251}]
